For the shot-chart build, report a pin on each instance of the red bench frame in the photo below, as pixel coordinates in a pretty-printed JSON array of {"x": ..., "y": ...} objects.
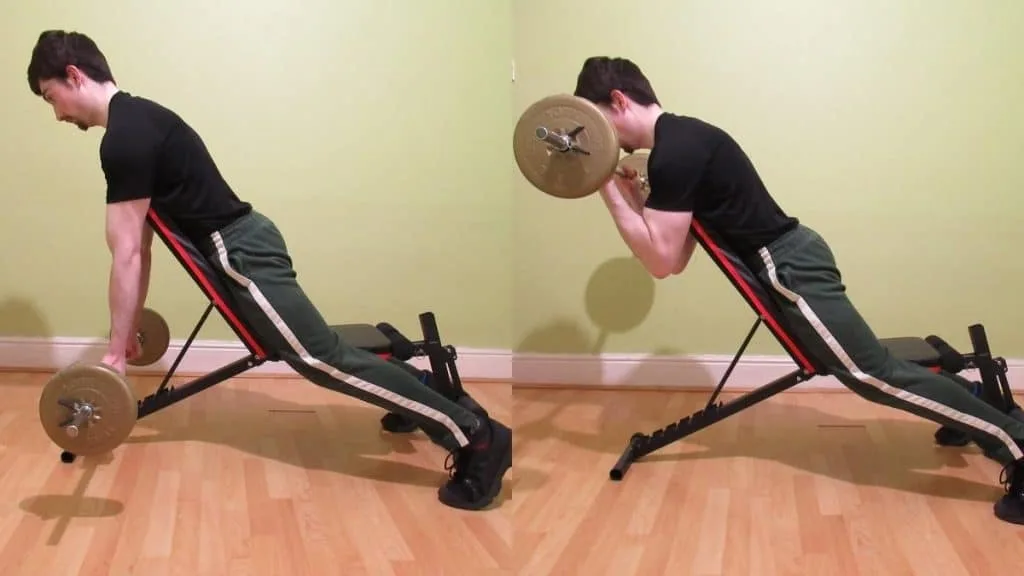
[{"x": 382, "y": 339}]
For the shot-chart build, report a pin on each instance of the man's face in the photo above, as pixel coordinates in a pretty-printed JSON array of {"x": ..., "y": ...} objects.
[{"x": 67, "y": 100}]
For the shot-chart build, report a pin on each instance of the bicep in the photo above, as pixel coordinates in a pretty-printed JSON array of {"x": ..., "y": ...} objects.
[
  {"x": 126, "y": 226},
  {"x": 669, "y": 231},
  {"x": 147, "y": 233}
]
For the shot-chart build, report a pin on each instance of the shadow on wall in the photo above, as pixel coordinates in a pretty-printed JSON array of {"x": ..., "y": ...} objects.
[
  {"x": 27, "y": 340},
  {"x": 22, "y": 319},
  {"x": 618, "y": 298}
]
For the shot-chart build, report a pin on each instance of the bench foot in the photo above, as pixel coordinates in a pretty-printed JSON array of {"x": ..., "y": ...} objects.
[
  {"x": 946, "y": 436},
  {"x": 397, "y": 424},
  {"x": 386, "y": 341}
]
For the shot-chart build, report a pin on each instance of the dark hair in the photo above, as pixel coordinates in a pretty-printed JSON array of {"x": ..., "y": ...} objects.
[
  {"x": 55, "y": 50},
  {"x": 602, "y": 74}
]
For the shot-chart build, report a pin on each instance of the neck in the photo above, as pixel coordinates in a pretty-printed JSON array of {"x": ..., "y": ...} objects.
[
  {"x": 102, "y": 94},
  {"x": 648, "y": 118}
]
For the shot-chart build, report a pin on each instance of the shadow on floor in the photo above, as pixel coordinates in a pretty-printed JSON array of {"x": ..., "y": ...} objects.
[
  {"x": 892, "y": 453},
  {"x": 343, "y": 439}
]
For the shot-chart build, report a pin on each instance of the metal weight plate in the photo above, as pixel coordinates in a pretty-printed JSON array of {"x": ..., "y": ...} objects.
[
  {"x": 565, "y": 147},
  {"x": 101, "y": 399},
  {"x": 154, "y": 338},
  {"x": 638, "y": 161}
]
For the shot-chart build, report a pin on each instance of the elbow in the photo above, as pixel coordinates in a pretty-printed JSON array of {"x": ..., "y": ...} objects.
[
  {"x": 664, "y": 269},
  {"x": 662, "y": 266},
  {"x": 679, "y": 266},
  {"x": 660, "y": 273},
  {"x": 661, "y": 269}
]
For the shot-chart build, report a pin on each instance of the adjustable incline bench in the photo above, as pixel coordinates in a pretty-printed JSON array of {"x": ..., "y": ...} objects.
[
  {"x": 931, "y": 352},
  {"x": 382, "y": 339}
]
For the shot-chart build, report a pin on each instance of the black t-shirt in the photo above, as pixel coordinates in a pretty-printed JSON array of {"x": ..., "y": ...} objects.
[
  {"x": 148, "y": 151},
  {"x": 697, "y": 167}
]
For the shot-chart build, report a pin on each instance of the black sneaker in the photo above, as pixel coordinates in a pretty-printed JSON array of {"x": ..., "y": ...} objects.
[
  {"x": 476, "y": 471},
  {"x": 467, "y": 402},
  {"x": 1010, "y": 508}
]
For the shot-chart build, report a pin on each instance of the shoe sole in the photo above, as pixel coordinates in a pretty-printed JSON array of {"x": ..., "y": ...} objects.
[{"x": 492, "y": 493}]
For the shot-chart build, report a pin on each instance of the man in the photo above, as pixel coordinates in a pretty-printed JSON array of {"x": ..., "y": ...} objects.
[
  {"x": 696, "y": 170},
  {"x": 151, "y": 157}
]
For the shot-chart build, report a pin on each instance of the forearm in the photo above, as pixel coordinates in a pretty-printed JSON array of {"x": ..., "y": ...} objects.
[
  {"x": 124, "y": 290},
  {"x": 632, "y": 227},
  {"x": 146, "y": 259}
]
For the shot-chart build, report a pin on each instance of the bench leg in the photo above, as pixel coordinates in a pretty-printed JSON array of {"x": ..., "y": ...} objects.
[
  {"x": 994, "y": 388},
  {"x": 442, "y": 377},
  {"x": 641, "y": 444}
]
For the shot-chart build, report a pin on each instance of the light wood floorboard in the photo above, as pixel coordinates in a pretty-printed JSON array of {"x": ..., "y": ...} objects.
[
  {"x": 802, "y": 484},
  {"x": 277, "y": 476},
  {"x": 253, "y": 476}
]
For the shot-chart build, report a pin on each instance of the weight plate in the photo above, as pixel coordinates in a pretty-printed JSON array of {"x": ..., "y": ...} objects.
[
  {"x": 638, "y": 161},
  {"x": 100, "y": 387},
  {"x": 570, "y": 174},
  {"x": 155, "y": 337}
]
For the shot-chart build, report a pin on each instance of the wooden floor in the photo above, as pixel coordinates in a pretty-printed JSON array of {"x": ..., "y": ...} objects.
[
  {"x": 279, "y": 477},
  {"x": 802, "y": 484},
  {"x": 254, "y": 476}
]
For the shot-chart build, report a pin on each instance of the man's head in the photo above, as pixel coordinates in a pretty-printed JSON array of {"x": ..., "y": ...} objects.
[
  {"x": 624, "y": 95},
  {"x": 71, "y": 74}
]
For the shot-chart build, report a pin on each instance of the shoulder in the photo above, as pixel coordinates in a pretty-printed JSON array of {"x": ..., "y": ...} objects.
[
  {"x": 682, "y": 144},
  {"x": 133, "y": 131},
  {"x": 677, "y": 133}
]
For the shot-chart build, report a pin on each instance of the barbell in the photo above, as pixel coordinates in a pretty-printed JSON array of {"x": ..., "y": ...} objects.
[
  {"x": 565, "y": 147},
  {"x": 89, "y": 408}
]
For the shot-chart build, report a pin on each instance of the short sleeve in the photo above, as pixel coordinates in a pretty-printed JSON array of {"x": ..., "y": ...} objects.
[
  {"x": 673, "y": 183},
  {"x": 128, "y": 157}
]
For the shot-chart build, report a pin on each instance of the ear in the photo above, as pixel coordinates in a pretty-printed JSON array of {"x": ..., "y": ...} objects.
[
  {"x": 73, "y": 76},
  {"x": 619, "y": 101}
]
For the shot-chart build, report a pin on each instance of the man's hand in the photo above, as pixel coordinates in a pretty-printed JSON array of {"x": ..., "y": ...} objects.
[
  {"x": 626, "y": 181},
  {"x": 118, "y": 362},
  {"x": 134, "y": 349}
]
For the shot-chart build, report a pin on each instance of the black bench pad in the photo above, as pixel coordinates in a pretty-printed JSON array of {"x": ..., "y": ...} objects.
[
  {"x": 916, "y": 350},
  {"x": 364, "y": 336}
]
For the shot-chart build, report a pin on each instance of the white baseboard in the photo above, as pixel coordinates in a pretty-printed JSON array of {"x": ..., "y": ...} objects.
[
  {"x": 561, "y": 370},
  {"x": 204, "y": 356}
]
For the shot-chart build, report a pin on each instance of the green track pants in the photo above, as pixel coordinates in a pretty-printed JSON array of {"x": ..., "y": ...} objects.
[
  {"x": 251, "y": 256},
  {"x": 800, "y": 272}
]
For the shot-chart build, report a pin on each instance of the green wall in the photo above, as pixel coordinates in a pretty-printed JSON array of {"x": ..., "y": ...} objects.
[
  {"x": 373, "y": 133},
  {"x": 378, "y": 136},
  {"x": 896, "y": 129}
]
